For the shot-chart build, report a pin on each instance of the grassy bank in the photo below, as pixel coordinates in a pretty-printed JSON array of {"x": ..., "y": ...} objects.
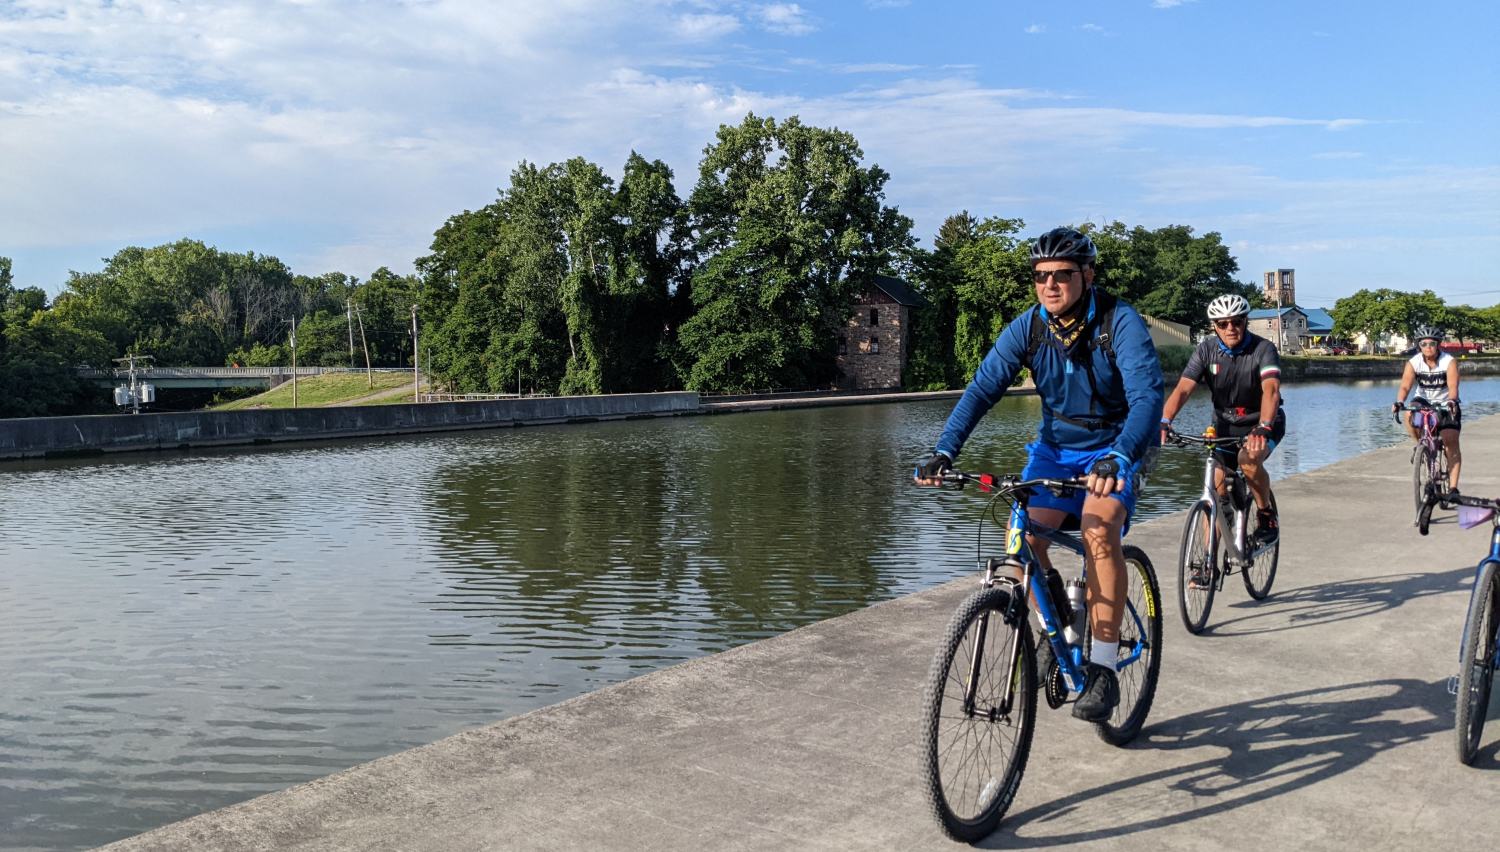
[{"x": 327, "y": 389}]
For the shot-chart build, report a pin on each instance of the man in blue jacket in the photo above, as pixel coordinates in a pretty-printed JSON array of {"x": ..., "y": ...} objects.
[{"x": 1100, "y": 383}]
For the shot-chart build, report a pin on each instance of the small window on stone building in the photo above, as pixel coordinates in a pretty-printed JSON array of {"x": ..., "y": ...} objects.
[
  {"x": 874, "y": 345},
  {"x": 874, "y": 317},
  {"x": 843, "y": 345}
]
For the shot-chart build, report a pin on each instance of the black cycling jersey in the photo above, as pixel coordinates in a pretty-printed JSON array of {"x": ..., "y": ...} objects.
[{"x": 1235, "y": 378}]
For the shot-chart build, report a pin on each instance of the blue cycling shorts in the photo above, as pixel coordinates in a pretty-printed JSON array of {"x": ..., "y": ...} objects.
[{"x": 1048, "y": 461}]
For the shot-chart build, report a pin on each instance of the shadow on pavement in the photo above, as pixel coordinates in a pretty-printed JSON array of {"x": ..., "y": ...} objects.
[
  {"x": 1329, "y": 603},
  {"x": 1250, "y": 752}
]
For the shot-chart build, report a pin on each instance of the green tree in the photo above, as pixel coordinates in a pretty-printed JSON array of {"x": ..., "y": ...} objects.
[
  {"x": 790, "y": 226},
  {"x": 1167, "y": 273},
  {"x": 1385, "y": 311}
]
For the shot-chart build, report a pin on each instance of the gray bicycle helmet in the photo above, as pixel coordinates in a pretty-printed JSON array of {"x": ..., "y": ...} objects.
[
  {"x": 1427, "y": 332},
  {"x": 1064, "y": 244}
]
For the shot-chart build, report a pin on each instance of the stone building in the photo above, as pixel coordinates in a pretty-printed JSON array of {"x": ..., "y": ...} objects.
[
  {"x": 872, "y": 348},
  {"x": 1281, "y": 287}
]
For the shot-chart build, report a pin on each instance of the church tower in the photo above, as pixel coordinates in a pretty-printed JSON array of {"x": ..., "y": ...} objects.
[{"x": 1281, "y": 287}]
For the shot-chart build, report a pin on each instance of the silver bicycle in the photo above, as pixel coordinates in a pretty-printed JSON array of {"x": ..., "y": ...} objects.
[{"x": 1216, "y": 541}]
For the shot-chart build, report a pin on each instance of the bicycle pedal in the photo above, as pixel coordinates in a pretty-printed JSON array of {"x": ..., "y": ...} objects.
[{"x": 1453, "y": 685}]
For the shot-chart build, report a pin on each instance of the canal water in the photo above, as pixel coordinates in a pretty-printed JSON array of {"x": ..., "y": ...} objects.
[{"x": 182, "y": 632}]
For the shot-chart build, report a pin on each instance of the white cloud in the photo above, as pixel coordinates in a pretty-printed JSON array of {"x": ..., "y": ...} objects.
[
  {"x": 887, "y": 4},
  {"x": 707, "y": 26},
  {"x": 1035, "y": 29},
  {"x": 1093, "y": 28},
  {"x": 1339, "y": 155},
  {"x": 334, "y": 137},
  {"x": 786, "y": 19},
  {"x": 1168, "y": 4}
]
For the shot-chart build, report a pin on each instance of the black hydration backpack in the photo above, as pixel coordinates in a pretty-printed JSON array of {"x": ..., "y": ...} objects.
[{"x": 1100, "y": 337}]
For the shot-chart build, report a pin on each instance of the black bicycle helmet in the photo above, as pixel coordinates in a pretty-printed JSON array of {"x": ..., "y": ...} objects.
[
  {"x": 1064, "y": 244},
  {"x": 1427, "y": 332}
]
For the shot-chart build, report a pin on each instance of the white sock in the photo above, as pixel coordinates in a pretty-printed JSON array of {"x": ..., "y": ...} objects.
[{"x": 1106, "y": 654}]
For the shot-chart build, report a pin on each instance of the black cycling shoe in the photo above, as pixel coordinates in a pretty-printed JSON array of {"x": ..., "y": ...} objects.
[
  {"x": 1267, "y": 528},
  {"x": 1445, "y": 502},
  {"x": 1101, "y": 694}
]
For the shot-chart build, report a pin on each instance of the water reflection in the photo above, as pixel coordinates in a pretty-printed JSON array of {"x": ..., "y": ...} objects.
[{"x": 178, "y": 633}]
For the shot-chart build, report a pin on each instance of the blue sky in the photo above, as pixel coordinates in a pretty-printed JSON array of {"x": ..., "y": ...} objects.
[{"x": 1356, "y": 142}]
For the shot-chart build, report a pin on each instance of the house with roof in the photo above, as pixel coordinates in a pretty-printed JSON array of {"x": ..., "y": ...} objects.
[
  {"x": 1285, "y": 327},
  {"x": 873, "y": 345}
]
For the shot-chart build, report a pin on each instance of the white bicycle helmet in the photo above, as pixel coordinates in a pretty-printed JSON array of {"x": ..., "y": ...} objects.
[
  {"x": 1427, "y": 332},
  {"x": 1228, "y": 305}
]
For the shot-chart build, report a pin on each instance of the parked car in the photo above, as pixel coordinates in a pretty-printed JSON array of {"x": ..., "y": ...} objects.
[
  {"x": 1342, "y": 350},
  {"x": 1317, "y": 350}
]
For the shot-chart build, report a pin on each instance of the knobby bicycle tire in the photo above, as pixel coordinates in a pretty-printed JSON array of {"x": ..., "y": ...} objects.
[
  {"x": 1195, "y": 604},
  {"x": 1137, "y": 680},
  {"x": 1476, "y": 671},
  {"x": 946, "y": 727},
  {"x": 1261, "y": 572}
]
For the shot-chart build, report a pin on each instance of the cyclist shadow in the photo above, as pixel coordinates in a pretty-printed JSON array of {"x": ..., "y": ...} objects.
[
  {"x": 1330, "y": 603},
  {"x": 1275, "y": 746}
]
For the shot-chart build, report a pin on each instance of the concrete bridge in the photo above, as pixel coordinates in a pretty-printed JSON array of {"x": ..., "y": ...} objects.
[{"x": 220, "y": 377}]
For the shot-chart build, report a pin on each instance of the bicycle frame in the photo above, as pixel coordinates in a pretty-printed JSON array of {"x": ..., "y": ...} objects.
[
  {"x": 1495, "y": 558},
  {"x": 1424, "y": 418},
  {"x": 1019, "y": 554},
  {"x": 1237, "y": 493}
]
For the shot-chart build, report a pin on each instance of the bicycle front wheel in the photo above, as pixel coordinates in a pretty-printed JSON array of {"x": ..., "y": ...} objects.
[
  {"x": 1197, "y": 569},
  {"x": 1140, "y": 628},
  {"x": 1261, "y": 572},
  {"x": 980, "y": 710},
  {"x": 1476, "y": 672},
  {"x": 1421, "y": 477}
]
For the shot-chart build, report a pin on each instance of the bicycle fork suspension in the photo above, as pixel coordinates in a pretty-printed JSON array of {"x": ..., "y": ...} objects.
[{"x": 976, "y": 659}]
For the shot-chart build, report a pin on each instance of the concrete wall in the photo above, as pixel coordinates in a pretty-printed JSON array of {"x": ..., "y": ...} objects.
[
  {"x": 62, "y": 436},
  {"x": 1373, "y": 368}
]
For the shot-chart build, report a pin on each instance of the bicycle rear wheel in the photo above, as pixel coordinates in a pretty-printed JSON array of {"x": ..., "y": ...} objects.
[
  {"x": 1261, "y": 572},
  {"x": 1476, "y": 672},
  {"x": 975, "y": 754},
  {"x": 1196, "y": 558},
  {"x": 1140, "y": 627}
]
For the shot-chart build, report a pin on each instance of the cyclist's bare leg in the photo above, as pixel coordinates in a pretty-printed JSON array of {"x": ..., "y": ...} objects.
[
  {"x": 1253, "y": 467},
  {"x": 1455, "y": 458},
  {"x": 1102, "y": 520},
  {"x": 1410, "y": 427},
  {"x": 1050, "y": 518}
]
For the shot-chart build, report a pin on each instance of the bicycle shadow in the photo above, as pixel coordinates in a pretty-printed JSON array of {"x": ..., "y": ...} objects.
[
  {"x": 1274, "y": 747},
  {"x": 1330, "y": 603}
]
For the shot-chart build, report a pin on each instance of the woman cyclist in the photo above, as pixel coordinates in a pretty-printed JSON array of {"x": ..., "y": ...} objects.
[{"x": 1435, "y": 373}]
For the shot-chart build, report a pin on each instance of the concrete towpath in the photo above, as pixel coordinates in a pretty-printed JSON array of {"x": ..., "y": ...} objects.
[{"x": 1318, "y": 719}]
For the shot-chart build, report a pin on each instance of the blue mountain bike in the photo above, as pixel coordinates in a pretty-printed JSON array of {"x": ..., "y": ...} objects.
[
  {"x": 1479, "y": 653},
  {"x": 981, "y": 695}
]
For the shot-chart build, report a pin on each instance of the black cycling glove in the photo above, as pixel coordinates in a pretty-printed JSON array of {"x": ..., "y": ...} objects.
[
  {"x": 1261, "y": 432},
  {"x": 1109, "y": 466},
  {"x": 934, "y": 466}
]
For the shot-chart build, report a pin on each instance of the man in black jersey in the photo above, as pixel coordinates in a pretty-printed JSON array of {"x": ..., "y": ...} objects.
[{"x": 1243, "y": 372}]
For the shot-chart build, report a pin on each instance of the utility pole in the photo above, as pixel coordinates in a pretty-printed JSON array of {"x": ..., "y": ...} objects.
[
  {"x": 294, "y": 361},
  {"x": 429, "y": 369},
  {"x": 349, "y": 311},
  {"x": 1280, "y": 326},
  {"x": 359, "y": 314},
  {"x": 416, "y": 360}
]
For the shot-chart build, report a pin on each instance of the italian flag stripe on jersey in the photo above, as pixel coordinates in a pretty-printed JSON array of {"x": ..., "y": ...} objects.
[{"x": 1268, "y": 372}]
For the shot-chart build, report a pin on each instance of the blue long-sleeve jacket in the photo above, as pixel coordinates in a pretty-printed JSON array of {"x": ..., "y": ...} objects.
[{"x": 1132, "y": 386}]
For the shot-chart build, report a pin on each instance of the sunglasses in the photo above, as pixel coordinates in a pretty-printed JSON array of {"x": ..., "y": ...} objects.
[
  {"x": 1226, "y": 324},
  {"x": 1061, "y": 276},
  {"x": 1428, "y": 344}
]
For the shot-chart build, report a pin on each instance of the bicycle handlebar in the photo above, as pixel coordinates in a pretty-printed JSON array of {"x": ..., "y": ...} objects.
[
  {"x": 1480, "y": 502},
  {"x": 1212, "y": 443},
  {"x": 1010, "y": 482}
]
